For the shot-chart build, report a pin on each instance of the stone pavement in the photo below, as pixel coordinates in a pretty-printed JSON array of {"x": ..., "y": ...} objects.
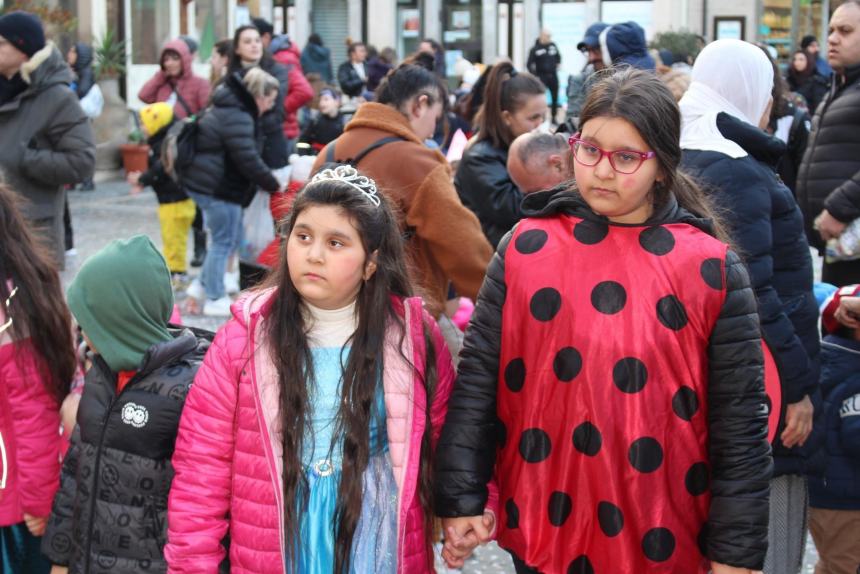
[{"x": 110, "y": 212}]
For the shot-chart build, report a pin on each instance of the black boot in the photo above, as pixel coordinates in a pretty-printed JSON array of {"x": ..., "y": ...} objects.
[{"x": 199, "y": 248}]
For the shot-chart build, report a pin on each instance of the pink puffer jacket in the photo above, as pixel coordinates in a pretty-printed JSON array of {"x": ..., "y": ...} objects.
[
  {"x": 29, "y": 435},
  {"x": 193, "y": 89},
  {"x": 228, "y": 457}
]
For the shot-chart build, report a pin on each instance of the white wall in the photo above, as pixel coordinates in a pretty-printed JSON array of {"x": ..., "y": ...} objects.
[{"x": 381, "y": 23}]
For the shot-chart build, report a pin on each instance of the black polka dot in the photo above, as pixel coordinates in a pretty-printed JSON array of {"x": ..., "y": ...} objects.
[
  {"x": 587, "y": 439},
  {"x": 581, "y": 565},
  {"x": 610, "y": 518},
  {"x": 697, "y": 479},
  {"x": 630, "y": 375},
  {"x": 702, "y": 539},
  {"x": 515, "y": 375},
  {"x": 608, "y": 297},
  {"x": 712, "y": 273},
  {"x": 645, "y": 454},
  {"x": 513, "y": 513},
  {"x": 545, "y": 304},
  {"x": 685, "y": 403},
  {"x": 658, "y": 544},
  {"x": 657, "y": 240},
  {"x": 671, "y": 313},
  {"x": 534, "y": 445},
  {"x": 567, "y": 364},
  {"x": 769, "y": 403},
  {"x": 531, "y": 241},
  {"x": 502, "y": 433},
  {"x": 590, "y": 232},
  {"x": 559, "y": 508}
]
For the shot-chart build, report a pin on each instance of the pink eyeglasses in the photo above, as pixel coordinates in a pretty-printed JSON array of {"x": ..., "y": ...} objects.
[{"x": 623, "y": 160}]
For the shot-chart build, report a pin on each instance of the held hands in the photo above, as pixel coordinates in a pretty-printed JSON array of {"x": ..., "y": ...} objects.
[
  {"x": 717, "y": 568},
  {"x": 36, "y": 525},
  {"x": 848, "y": 313},
  {"x": 133, "y": 179},
  {"x": 463, "y": 534},
  {"x": 55, "y": 569},
  {"x": 798, "y": 423},
  {"x": 828, "y": 226}
]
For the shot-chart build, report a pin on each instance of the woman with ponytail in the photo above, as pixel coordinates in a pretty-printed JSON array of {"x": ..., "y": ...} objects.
[{"x": 514, "y": 103}]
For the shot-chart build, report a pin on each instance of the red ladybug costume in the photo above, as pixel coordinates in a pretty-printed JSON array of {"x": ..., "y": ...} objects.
[{"x": 602, "y": 395}]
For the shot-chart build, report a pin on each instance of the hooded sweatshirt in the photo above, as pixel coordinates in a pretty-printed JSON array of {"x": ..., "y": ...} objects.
[
  {"x": 83, "y": 69},
  {"x": 122, "y": 300},
  {"x": 193, "y": 90},
  {"x": 625, "y": 44}
]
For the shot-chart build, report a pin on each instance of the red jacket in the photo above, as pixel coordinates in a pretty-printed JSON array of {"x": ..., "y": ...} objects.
[
  {"x": 299, "y": 91},
  {"x": 29, "y": 435},
  {"x": 193, "y": 89}
]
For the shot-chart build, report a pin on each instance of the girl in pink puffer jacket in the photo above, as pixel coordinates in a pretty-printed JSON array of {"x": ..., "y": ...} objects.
[
  {"x": 309, "y": 430},
  {"x": 37, "y": 364}
]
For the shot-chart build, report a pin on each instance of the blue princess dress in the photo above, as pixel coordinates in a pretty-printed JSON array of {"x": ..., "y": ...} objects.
[{"x": 374, "y": 545}]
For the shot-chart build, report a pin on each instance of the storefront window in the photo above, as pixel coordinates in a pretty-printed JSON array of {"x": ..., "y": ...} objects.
[
  {"x": 150, "y": 30},
  {"x": 461, "y": 30},
  {"x": 408, "y": 27},
  {"x": 210, "y": 21},
  {"x": 810, "y": 20},
  {"x": 776, "y": 26}
]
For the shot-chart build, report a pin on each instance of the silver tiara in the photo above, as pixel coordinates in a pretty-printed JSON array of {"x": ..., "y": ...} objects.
[
  {"x": 8, "y": 322},
  {"x": 350, "y": 176}
]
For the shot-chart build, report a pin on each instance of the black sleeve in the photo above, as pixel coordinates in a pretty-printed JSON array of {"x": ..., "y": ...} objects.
[
  {"x": 309, "y": 133},
  {"x": 744, "y": 194},
  {"x": 57, "y": 540},
  {"x": 484, "y": 185},
  {"x": 557, "y": 55},
  {"x": 466, "y": 453},
  {"x": 741, "y": 463},
  {"x": 350, "y": 82},
  {"x": 798, "y": 139},
  {"x": 843, "y": 203},
  {"x": 241, "y": 145},
  {"x": 530, "y": 64}
]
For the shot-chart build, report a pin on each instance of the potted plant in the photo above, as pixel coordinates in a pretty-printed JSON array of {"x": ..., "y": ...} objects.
[{"x": 135, "y": 153}]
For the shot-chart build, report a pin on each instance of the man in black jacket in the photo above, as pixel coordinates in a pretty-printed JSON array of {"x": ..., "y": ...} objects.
[
  {"x": 828, "y": 182},
  {"x": 352, "y": 74},
  {"x": 544, "y": 60}
]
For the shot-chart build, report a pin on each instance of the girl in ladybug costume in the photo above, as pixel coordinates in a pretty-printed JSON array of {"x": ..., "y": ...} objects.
[{"x": 612, "y": 374}]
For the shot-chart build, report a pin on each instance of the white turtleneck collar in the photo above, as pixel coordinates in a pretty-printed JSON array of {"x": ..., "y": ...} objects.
[{"x": 330, "y": 327}]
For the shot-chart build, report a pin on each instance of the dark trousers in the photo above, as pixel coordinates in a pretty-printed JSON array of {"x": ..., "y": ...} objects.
[
  {"x": 67, "y": 226},
  {"x": 551, "y": 82},
  {"x": 20, "y": 553}
]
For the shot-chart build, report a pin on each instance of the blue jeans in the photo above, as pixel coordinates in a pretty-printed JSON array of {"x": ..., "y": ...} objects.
[
  {"x": 20, "y": 553},
  {"x": 224, "y": 222}
]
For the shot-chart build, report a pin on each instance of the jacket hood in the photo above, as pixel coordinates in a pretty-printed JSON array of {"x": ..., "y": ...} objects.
[
  {"x": 179, "y": 46},
  {"x": 625, "y": 44},
  {"x": 317, "y": 52},
  {"x": 122, "y": 299},
  {"x": 233, "y": 94},
  {"x": 85, "y": 56},
  {"x": 282, "y": 42},
  {"x": 565, "y": 199},
  {"x": 756, "y": 142},
  {"x": 46, "y": 68}
]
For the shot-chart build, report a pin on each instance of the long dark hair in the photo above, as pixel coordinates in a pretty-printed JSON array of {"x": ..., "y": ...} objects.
[
  {"x": 642, "y": 99},
  {"x": 266, "y": 60},
  {"x": 411, "y": 79},
  {"x": 507, "y": 91},
  {"x": 376, "y": 310},
  {"x": 38, "y": 309}
]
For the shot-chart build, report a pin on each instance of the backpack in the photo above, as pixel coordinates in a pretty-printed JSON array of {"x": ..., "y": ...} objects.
[{"x": 180, "y": 145}]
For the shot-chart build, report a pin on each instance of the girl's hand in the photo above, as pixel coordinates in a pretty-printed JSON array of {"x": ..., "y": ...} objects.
[
  {"x": 717, "y": 568},
  {"x": 56, "y": 569},
  {"x": 35, "y": 525},
  {"x": 848, "y": 312},
  {"x": 69, "y": 413},
  {"x": 133, "y": 177},
  {"x": 798, "y": 423},
  {"x": 462, "y": 536}
]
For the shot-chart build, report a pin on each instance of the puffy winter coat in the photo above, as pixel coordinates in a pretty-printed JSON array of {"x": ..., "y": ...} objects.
[
  {"x": 527, "y": 383},
  {"x": 445, "y": 245},
  {"x": 829, "y": 176},
  {"x": 272, "y": 122},
  {"x": 228, "y": 456},
  {"x": 227, "y": 162},
  {"x": 813, "y": 88},
  {"x": 350, "y": 82},
  {"x": 767, "y": 227},
  {"x": 544, "y": 59},
  {"x": 485, "y": 187},
  {"x": 84, "y": 69},
  {"x": 46, "y": 142},
  {"x": 166, "y": 189},
  {"x": 316, "y": 59},
  {"x": 30, "y": 441},
  {"x": 839, "y": 488},
  {"x": 110, "y": 514},
  {"x": 299, "y": 91},
  {"x": 193, "y": 89}
]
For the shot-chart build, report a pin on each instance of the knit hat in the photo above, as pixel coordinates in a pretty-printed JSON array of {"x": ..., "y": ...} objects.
[
  {"x": 155, "y": 117},
  {"x": 831, "y": 304},
  {"x": 122, "y": 300},
  {"x": 24, "y": 31}
]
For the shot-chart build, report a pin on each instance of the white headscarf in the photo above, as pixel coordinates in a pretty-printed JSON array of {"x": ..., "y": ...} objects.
[{"x": 729, "y": 76}]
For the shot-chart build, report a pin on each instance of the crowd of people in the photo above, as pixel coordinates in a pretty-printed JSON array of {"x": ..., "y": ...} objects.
[{"x": 596, "y": 340}]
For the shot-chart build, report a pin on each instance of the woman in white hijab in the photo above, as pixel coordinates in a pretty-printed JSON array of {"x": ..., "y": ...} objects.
[{"x": 724, "y": 144}]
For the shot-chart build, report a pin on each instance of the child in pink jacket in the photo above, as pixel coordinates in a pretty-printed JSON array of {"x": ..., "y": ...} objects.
[
  {"x": 37, "y": 364},
  {"x": 309, "y": 430}
]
